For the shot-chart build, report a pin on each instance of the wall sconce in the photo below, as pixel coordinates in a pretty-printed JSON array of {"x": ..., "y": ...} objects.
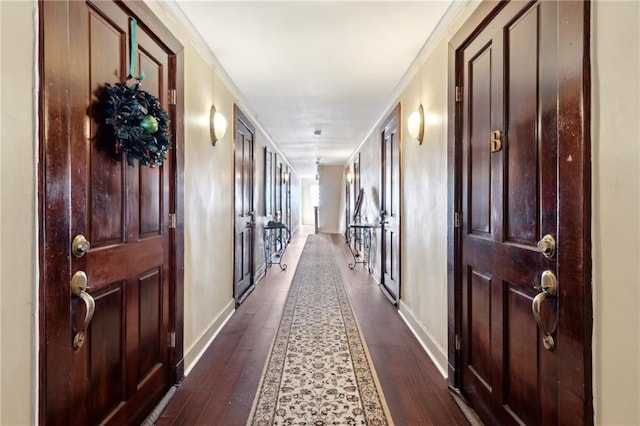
[
  {"x": 350, "y": 177},
  {"x": 415, "y": 123},
  {"x": 217, "y": 125},
  {"x": 285, "y": 177}
]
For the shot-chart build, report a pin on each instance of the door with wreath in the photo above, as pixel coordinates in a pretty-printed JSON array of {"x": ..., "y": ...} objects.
[{"x": 107, "y": 348}]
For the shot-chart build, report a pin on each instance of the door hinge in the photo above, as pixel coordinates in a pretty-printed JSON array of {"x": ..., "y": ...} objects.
[
  {"x": 457, "y": 220},
  {"x": 173, "y": 96},
  {"x": 458, "y": 93},
  {"x": 172, "y": 339},
  {"x": 457, "y": 342},
  {"x": 172, "y": 221}
]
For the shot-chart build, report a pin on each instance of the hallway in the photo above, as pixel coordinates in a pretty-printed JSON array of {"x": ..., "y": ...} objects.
[{"x": 221, "y": 387}]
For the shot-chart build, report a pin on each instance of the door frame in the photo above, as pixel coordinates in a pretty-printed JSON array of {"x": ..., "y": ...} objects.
[
  {"x": 395, "y": 114},
  {"x": 54, "y": 223},
  {"x": 575, "y": 393},
  {"x": 238, "y": 115}
]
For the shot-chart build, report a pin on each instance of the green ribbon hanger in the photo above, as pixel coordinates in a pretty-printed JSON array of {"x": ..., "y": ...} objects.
[{"x": 134, "y": 50}]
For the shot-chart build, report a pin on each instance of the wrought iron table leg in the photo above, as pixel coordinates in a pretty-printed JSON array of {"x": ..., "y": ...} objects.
[{"x": 360, "y": 236}]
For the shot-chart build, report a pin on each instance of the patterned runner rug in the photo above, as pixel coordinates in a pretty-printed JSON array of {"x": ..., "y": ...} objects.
[{"x": 319, "y": 371}]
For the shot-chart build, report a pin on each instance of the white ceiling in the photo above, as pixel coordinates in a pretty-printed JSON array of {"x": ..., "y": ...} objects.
[{"x": 304, "y": 66}]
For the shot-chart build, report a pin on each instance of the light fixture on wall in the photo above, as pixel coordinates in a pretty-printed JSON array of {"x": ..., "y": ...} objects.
[
  {"x": 285, "y": 177},
  {"x": 217, "y": 125},
  {"x": 350, "y": 177},
  {"x": 415, "y": 123}
]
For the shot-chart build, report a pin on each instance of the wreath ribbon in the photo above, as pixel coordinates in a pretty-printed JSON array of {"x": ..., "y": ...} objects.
[{"x": 133, "y": 50}]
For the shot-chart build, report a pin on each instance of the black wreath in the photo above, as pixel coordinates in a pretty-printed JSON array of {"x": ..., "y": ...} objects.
[{"x": 139, "y": 124}]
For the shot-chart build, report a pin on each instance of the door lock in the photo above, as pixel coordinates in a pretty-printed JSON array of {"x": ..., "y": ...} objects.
[
  {"x": 547, "y": 246},
  {"x": 80, "y": 245}
]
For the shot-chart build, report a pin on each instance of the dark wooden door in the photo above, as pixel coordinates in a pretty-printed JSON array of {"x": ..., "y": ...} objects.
[
  {"x": 347, "y": 197},
  {"x": 287, "y": 191},
  {"x": 390, "y": 206},
  {"x": 279, "y": 192},
  {"x": 510, "y": 75},
  {"x": 122, "y": 369},
  {"x": 244, "y": 212}
]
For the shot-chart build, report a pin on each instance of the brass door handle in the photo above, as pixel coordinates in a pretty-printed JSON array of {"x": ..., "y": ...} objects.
[
  {"x": 549, "y": 287},
  {"x": 78, "y": 288}
]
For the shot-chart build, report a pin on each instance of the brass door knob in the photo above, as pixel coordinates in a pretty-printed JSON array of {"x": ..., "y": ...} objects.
[
  {"x": 547, "y": 246},
  {"x": 80, "y": 245}
]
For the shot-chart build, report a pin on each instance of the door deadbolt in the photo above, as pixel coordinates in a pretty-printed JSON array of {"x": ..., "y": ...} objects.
[
  {"x": 547, "y": 246},
  {"x": 80, "y": 245}
]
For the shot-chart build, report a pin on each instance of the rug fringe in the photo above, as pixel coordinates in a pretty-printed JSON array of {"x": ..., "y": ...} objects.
[
  {"x": 155, "y": 414},
  {"x": 463, "y": 404}
]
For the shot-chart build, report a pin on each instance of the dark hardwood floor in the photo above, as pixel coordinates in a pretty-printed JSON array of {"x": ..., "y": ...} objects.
[{"x": 220, "y": 389}]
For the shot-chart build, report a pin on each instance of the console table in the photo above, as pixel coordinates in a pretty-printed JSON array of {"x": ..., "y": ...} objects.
[
  {"x": 359, "y": 242},
  {"x": 276, "y": 237}
]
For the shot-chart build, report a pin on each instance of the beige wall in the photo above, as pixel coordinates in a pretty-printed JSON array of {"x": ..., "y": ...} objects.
[
  {"x": 616, "y": 211},
  {"x": 370, "y": 158},
  {"x": 208, "y": 201},
  {"x": 424, "y": 206},
  {"x": 18, "y": 248},
  {"x": 331, "y": 209},
  {"x": 307, "y": 209},
  {"x": 208, "y": 205}
]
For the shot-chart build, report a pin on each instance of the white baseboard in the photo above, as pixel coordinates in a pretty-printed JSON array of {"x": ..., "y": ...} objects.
[
  {"x": 431, "y": 347},
  {"x": 260, "y": 273},
  {"x": 195, "y": 352}
]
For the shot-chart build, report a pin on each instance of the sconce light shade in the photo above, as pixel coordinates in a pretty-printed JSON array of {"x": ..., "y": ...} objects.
[
  {"x": 415, "y": 123},
  {"x": 349, "y": 177},
  {"x": 217, "y": 125}
]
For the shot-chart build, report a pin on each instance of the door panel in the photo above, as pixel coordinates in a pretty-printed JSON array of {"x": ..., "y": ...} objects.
[
  {"x": 480, "y": 319},
  {"x": 122, "y": 369},
  {"x": 149, "y": 307},
  {"x": 110, "y": 40},
  {"x": 480, "y": 167},
  {"x": 521, "y": 380},
  {"x": 244, "y": 209},
  {"x": 390, "y": 206},
  {"x": 521, "y": 209},
  {"x": 105, "y": 352}
]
